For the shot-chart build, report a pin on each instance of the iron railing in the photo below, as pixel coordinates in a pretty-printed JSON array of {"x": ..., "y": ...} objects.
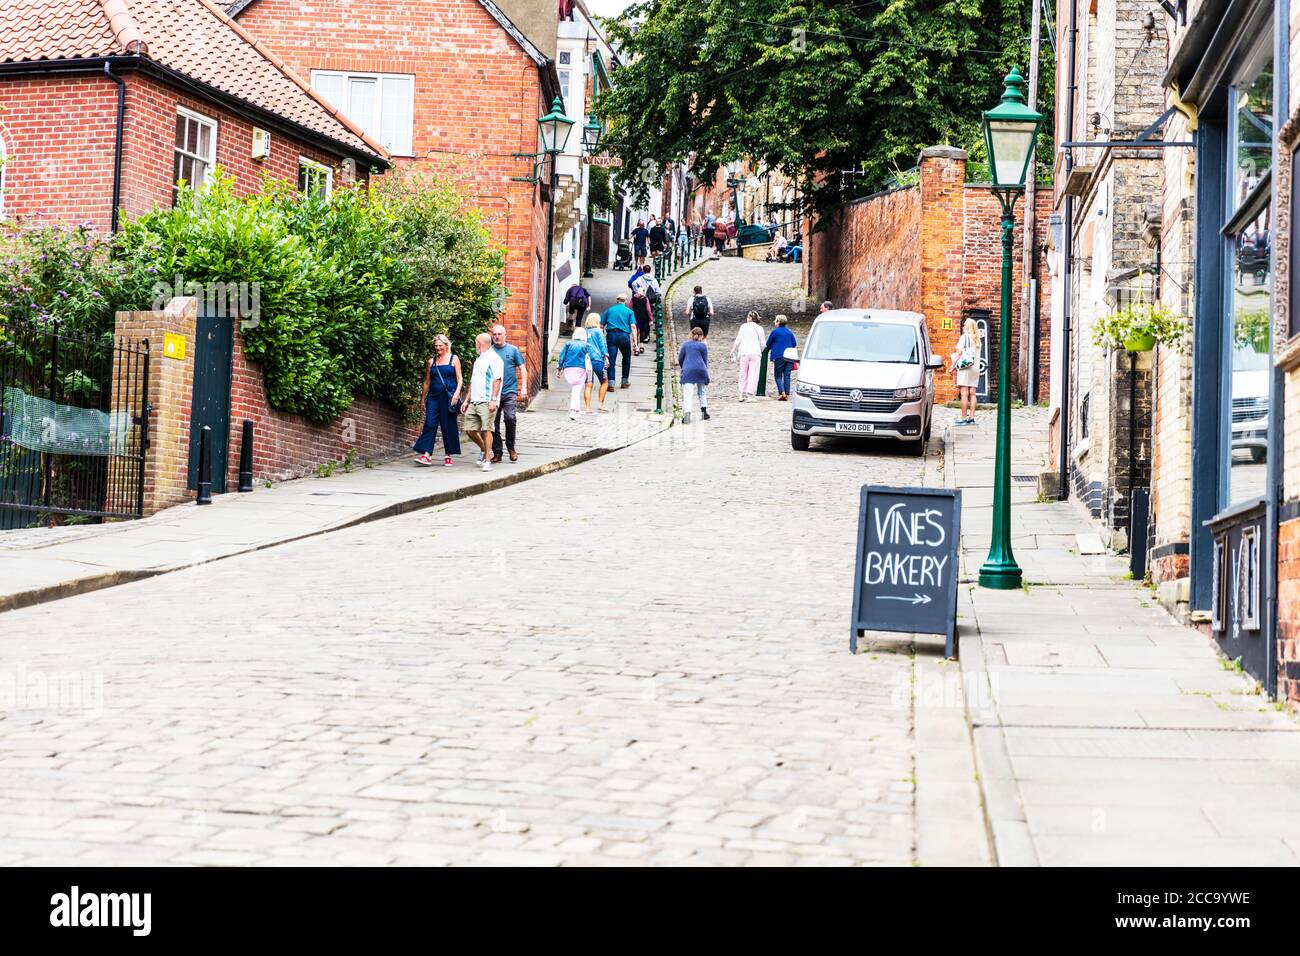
[{"x": 74, "y": 425}]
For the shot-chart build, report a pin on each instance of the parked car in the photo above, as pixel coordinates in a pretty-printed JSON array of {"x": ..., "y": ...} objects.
[{"x": 866, "y": 373}]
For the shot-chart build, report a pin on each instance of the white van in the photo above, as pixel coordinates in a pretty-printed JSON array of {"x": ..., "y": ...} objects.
[{"x": 865, "y": 373}]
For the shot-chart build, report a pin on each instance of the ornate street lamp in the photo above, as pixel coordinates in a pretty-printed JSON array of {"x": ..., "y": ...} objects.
[
  {"x": 555, "y": 127},
  {"x": 1010, "y": 132},
  {"x": 592, "y": 134}
]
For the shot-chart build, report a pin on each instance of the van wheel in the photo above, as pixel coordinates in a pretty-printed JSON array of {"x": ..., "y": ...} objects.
[
  {"x": 799, "y": 442},
  {"x": 918, "y": 447}
]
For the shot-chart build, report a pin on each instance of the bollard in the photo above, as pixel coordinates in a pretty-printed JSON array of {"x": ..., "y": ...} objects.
[
  {"x": 246, "y": 457},
  {"x": 205, "y": 467},
  {"x": 762, "y": 375}
]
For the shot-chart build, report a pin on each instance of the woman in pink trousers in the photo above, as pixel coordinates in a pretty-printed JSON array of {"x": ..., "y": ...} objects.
[{"x": 748, "y": 346}]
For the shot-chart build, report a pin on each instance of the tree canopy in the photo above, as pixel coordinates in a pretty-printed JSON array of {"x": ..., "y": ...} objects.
[{"x": 839, "y": 96}]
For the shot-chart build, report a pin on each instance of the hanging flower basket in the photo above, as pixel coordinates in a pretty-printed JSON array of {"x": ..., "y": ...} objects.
[
  {"x": 1138, "y": 326},
  {"x": 1140, "y": 342}
]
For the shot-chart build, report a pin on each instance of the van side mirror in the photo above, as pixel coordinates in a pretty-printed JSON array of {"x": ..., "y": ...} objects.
[
  {"x": 791, "y": 354},
  {"x": 935, "y": 363}
]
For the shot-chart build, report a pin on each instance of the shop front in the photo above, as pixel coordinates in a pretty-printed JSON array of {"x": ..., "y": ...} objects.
[{"x": 1223, "y": 69}]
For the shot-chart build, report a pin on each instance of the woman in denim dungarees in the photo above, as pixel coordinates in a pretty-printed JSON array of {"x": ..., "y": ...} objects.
[{"x": 442, "y": 385}]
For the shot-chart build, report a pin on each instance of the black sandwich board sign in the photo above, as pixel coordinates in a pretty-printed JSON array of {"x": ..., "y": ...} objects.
[{"x": 907, "y": 563}]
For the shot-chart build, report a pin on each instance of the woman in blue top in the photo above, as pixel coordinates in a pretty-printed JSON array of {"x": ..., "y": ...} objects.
[
  {"x": 693, "y": 358},
  {"x": 599, "y": 353},
  {"x": 574, "y": 363},
  {"x": 780, "y": 339}
]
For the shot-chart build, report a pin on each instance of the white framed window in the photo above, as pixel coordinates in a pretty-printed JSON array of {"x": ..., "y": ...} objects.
[
  {"x": 382, "y": 104},
  {"x": 196, "y": 150},
  {"x": 566, "y": 58},
  {"x": 314, "y": 179},
  {"x": 564, "y": 84}
]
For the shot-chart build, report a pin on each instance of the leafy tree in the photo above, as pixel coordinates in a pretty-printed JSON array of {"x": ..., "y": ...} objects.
[
  {"x": 601, "y": 190},
  {"x": 838, "y": 96}
]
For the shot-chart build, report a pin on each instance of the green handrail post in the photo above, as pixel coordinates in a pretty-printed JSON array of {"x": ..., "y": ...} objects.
[{"x": 659, "y": 357}]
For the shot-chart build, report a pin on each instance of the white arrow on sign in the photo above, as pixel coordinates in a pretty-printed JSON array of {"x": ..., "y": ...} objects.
[{"x": 919, "y": 599}]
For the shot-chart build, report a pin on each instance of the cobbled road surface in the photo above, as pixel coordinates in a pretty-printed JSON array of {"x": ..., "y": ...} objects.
[{"x": 642, "y": 659}]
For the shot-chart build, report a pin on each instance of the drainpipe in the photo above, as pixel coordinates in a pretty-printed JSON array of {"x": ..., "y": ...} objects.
[
  {"x": 1277, "y": 381},
  {"x": 1063, "y": 492},
  {"x": 117, "y": 147}
]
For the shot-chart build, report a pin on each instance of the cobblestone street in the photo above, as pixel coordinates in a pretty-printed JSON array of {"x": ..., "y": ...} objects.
[{"x": 639, "y": 659}]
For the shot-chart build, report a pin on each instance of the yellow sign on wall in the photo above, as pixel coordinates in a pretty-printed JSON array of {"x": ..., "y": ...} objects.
[
  {"x": 947, "y": 324},
  {"x": 174, "y": 346}
]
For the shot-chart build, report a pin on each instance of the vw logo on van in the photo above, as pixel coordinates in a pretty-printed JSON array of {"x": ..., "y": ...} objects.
[{"x": 856, "y": 395}]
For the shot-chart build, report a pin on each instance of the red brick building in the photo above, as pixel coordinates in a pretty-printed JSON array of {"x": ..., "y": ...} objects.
[
  {"x": 104, "y": 103},
  {"x": 453, "y": 85}
]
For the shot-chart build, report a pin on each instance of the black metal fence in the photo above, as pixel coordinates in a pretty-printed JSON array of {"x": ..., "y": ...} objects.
[{"x": 74, "y": 425}]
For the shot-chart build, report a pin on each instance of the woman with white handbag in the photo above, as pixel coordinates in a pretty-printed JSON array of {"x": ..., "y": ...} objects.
[{"x": 966, "y": 367}]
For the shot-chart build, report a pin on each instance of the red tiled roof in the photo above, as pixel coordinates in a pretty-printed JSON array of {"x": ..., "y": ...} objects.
[{"x": 191, "y": 37}]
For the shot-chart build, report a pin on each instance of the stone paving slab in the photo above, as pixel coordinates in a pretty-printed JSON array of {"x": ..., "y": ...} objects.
[{"x": 1105, "y": 732}]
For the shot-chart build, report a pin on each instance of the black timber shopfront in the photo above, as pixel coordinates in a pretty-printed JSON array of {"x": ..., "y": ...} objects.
[{"x": 1229, "y": 69}]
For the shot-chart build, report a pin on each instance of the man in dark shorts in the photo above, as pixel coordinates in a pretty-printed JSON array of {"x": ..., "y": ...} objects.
[{"x": 640, "y": 238}]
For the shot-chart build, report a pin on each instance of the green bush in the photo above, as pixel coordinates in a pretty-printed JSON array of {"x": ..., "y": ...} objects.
[
  {"x": 51, "y": 272},
  {"x": 352, "y": 288}
]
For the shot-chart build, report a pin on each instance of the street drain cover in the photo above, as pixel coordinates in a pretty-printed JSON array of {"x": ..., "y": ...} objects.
[{"x": 1024, "y": 478}]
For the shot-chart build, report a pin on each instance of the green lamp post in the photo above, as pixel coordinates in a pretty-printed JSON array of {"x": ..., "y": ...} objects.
[
  {"x": 592, "y": 134},
  {"x": 555, "y": 128},
  {"x": 1010, "y": 131}
]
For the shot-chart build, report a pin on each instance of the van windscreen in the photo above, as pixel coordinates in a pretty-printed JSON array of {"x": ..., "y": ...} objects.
[{"x": 863, "y": 342}]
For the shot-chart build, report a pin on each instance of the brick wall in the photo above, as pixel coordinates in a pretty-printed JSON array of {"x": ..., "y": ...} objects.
[
  {"x": 171, "y": 388},
  {"x": 477, "y": 99},
  {"x": 884, "y": 231},
  {"x": 58, "y": 168},
  {"x": 150, "y": 135},
  {"x": 60, "y": 133},
  {"x": 1171, "y": 453},
  {"x": 935, "y": 248},
  {"x": 1288, "y": 611},
  {"x": 288, "y": 446}
]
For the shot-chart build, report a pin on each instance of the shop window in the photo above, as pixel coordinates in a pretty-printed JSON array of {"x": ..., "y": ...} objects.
[{"x": 1250, "y": 281}]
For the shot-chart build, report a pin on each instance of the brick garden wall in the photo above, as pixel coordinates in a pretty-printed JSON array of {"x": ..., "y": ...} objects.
[
  {"x": 288, "y": 446},
  {"x": 935, "y": 248},
  {"x": 477, "y": 99},
  {"x": 883, "y": 231}
]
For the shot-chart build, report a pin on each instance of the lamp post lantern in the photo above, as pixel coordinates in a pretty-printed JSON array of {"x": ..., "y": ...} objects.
[
  {"x": 1010, "y": 132},
  {"x": 555, "y": 127},
  {"x": 592, "y": 134}
]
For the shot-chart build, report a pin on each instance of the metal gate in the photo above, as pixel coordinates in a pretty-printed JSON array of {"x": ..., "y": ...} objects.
[
  {"x": 210, "y": 401},
  {"x": 74, "y": 425}
]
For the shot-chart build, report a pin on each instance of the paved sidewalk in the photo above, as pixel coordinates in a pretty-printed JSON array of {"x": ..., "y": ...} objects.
[
  {"x": 1105, "y": 732},
  {"x": 45, "y": 564}
]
